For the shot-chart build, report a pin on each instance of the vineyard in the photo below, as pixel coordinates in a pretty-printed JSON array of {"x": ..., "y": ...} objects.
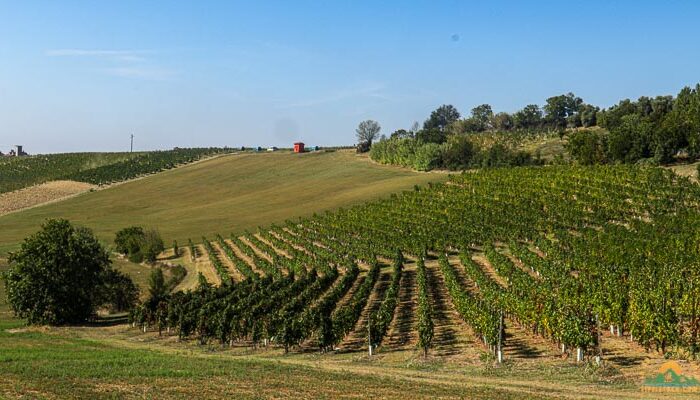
[
  {"x": 94, "y": 168},
  {"x": 556, "y": 255}
]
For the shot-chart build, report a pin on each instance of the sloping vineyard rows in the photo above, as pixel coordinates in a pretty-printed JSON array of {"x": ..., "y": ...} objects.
[
  {"x": 216, "y": 262},
  {"x": 577, "y": 247},
  {"x": 380, "y": 321},
  {"x": 146, "y": 163},
  {"x": 95, "y": 168}
]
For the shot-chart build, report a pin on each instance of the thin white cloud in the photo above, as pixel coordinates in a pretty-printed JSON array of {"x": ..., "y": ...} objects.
[
  {"x": 153, "y": 74},
  {"x": 121, "y": 55}
]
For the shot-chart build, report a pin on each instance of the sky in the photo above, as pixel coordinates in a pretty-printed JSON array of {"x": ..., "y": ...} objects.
[{"x": 84, "y": 75}]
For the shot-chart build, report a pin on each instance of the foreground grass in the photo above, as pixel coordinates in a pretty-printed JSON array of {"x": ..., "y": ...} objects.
[
  {"x": 35, "y": 364},
  {"x": 226, "y": 194}
]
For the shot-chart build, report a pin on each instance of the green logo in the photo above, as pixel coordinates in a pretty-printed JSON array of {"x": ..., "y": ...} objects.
[{"x": 671, "y": 379}]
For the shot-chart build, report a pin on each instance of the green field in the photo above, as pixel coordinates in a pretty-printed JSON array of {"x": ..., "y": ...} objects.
[{"x": 226, "y": 194}]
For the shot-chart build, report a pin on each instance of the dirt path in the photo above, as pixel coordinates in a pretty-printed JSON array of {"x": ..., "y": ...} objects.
[
  {"x": 39, "y": 195},
  {"x": 203, "y": 265},
  {"x": 453, "y": 338},
  {"x": 357, "y": 339},
  {"x": 401, "y": 334}
]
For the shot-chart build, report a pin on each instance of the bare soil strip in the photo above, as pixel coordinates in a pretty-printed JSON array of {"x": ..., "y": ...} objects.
[
  {"x": 244, "y": 257},
  {"x": 401, "y": 334},
  {"x": 38, "y": 195},
  {"x": 203, "y": 265},
  {"x": 257, "y": 251},
  {"x": 453, "y": 338},
  {"x": 357, "y": 339}
]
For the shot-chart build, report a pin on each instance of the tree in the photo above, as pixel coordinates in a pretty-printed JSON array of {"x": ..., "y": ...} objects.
[
  {"x": 152, "y": 245},
  {"x": 139, "y": 244},
  {"x": 401, "y": 133},
  {"x": 587, "y": 147},
  {"x": 559, "y": 108},
  {"x": 503, "y": 121},
  {"x": 58, "y": 275},
  {"x": 530, "y": 117},
  {"x": 459, "y": 153},
  {"x": 482, "y": 115},
  {"x": 441, "y": 117},
  {"x": 367, "y": 131},
  {"x": 118, "y": 291},
  {"x": 128, "y": 241},
  {"x": 157, "y": 288}
]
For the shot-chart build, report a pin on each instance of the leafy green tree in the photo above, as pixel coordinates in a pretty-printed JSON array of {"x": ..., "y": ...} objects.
[
  {"x": 503, "y": 121},
  {"x": 481, "y": 117},
  {"x": 57, "y": 275},
  {"x": 588, "y": 115},
  {"x": 441, "y": 118},
  {"x": 631, "y": 140},
  {"x": 152, "y": 245},
  {"x": 128, "y": 240},
  {"x": 117, "y": 291},
  {"x": 157, "y": 289},
  {"x": 530, "y": 117},
  {"x": 559, "y": 108},
  {"x": 587, "y": 147}
]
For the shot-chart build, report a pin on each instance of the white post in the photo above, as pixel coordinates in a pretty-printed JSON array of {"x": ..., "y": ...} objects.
[
  {"x": 563, "y": 348},
  {"x": 579, "y": 354}
]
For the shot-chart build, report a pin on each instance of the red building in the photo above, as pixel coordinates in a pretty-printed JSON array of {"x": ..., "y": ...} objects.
[{"x": 298, "y": 147}]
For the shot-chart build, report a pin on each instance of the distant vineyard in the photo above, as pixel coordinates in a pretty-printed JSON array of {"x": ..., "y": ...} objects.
[
  {"x": 95, "y": 168},
  {"x": 20, "y": 172},
  {"x": 143, "y": 164},
  {"x": 563, "y": 251}
]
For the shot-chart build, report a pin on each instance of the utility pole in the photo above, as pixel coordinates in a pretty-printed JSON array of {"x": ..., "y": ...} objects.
[{"x": 132, "y": 143}]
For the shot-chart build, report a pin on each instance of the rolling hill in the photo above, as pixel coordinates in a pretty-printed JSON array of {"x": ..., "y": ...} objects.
[{"x": 226, "y": 194}]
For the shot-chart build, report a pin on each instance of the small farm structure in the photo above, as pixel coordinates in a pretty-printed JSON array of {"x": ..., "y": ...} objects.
[{"x": 298, "y": 147}]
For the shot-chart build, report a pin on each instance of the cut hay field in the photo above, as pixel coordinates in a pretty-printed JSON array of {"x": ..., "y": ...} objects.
[{"x": 226, "y": 194}]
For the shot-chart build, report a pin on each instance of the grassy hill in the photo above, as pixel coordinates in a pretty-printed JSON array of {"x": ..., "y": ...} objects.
[{"x": 226, "y": 194}]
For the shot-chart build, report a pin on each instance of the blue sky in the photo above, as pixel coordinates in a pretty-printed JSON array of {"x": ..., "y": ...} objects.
[{"x": 83, "y": 75}]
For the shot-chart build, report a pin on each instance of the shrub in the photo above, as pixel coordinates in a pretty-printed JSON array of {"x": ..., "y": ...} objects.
[
  {"x": 587, "y": 147},
  {"x": 428, "y": 156}
]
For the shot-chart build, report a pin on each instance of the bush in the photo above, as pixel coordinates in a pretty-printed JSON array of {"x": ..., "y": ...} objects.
[
  {"x": 428, "y": 156},
  {"x": 587, "y": 147},
  {"x": 61, "y": 274},
  {"x": 139, "y": 245},
  {"x": 459, "y": 153}
]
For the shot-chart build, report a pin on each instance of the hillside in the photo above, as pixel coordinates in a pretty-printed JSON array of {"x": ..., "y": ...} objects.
[{"x": 227, "y": 194}]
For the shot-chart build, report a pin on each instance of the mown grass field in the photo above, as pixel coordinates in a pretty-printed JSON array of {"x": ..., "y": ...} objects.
[{"x": 226, "y": 194}]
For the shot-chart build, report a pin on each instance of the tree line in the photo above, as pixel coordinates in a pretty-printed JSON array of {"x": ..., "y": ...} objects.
[{"x": 655, "y": 130}]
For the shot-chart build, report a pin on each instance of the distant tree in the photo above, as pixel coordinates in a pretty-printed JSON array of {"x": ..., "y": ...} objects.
[
  {"x": 367, "y": 131},
  {"x": 503, "y": 121},
  {"x": 588, "y": 115},
  {"x": 128, "y": 241},
  {"x": 481, "y": 115},
  {"x": 415, "y": 127},
  {"x": 441, "y": 118},
  {"x": 176, "y": 250},
  {"x": 60, "y": 275},
  {"x": 152, "y": 245},
  {"x": 530, "y": 117},
  {"x": 433, "y": 135},
  {"x": 559, "y": 108},
  {"x": 401, "y": 134},
  {"x": 138, "y": 244}
]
